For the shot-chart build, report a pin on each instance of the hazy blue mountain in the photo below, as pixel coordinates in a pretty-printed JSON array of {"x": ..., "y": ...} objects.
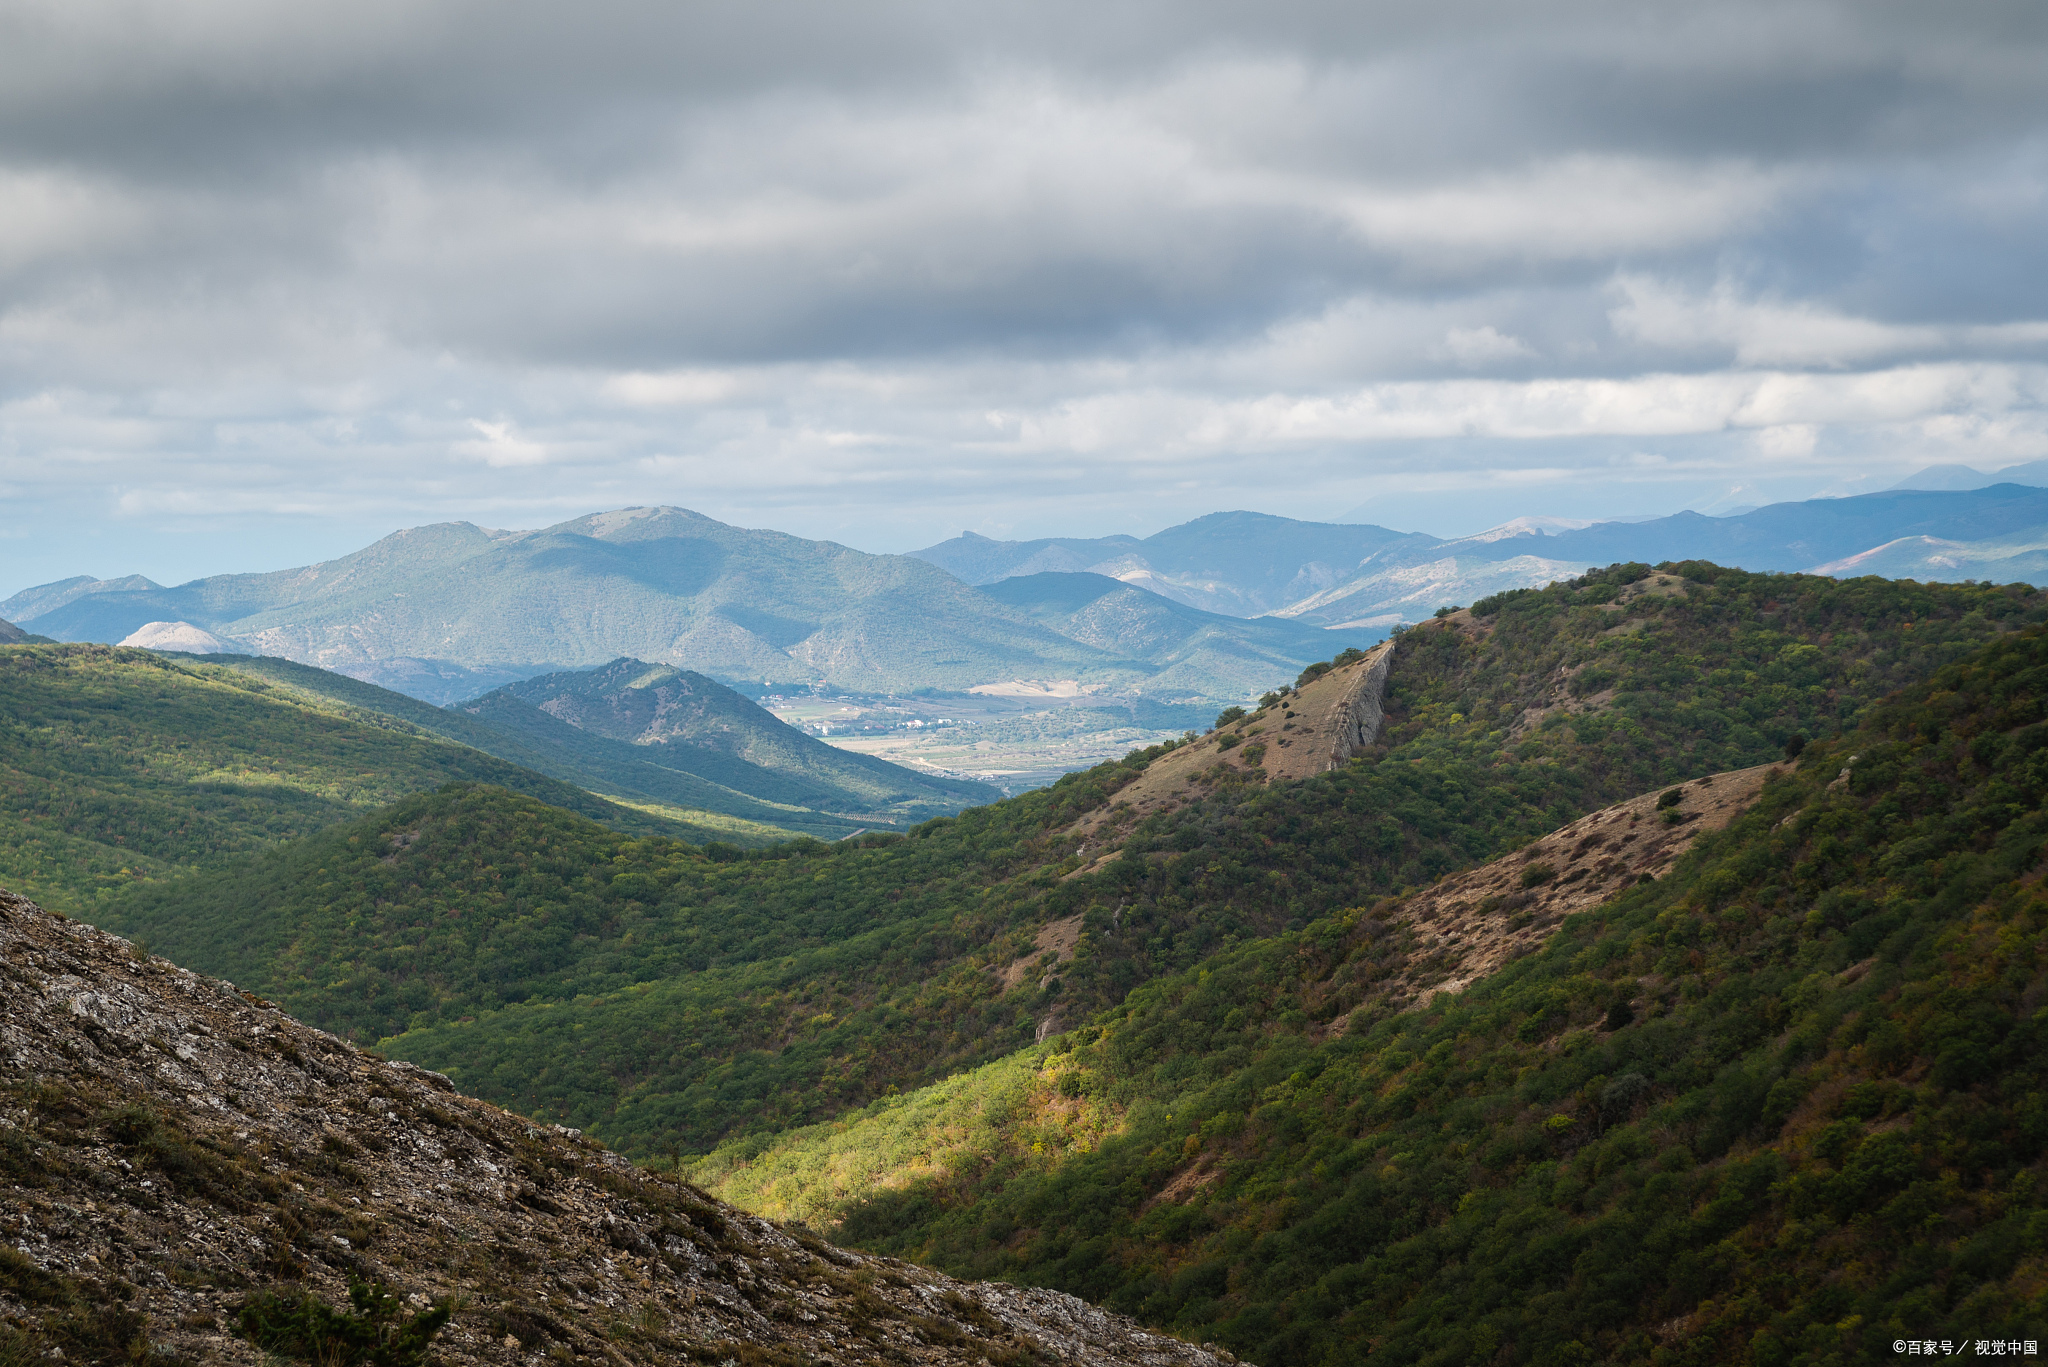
[
  {"x": 1801, "y": 536},
  {"x": 1185, "y": 648},
  {"x": 1823, "y": 535},
  {"x": 2014, "y": 559},
  {"x": 1395, "y": 589},
  {"x": 1962, "y": 477},
  {"x": 1240, "y": 564},
  {"x": 974, "y": 559},
  {"x": 459, "y": 608}
]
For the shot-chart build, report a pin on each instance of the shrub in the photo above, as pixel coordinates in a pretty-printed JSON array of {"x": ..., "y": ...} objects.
[{"x": 304, "y": 1327}]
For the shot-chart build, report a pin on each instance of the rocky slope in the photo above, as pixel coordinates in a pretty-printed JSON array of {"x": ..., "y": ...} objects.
[
  {"x": 171, "y": 1147},
  {"x": 1309, "y": 730}
]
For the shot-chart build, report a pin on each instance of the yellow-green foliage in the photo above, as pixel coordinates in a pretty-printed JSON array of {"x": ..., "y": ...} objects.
[
  {"x": 813, "y": 978},
  {"x": 119, "y": 767},
  {"x": 1028, "y": 1111},
  {"x": 1784, "y": 1105}
]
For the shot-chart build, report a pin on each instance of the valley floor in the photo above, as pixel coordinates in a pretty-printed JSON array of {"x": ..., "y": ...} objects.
[{"x": 1014, "y": 742}]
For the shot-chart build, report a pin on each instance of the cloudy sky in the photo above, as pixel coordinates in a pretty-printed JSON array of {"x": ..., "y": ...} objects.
[{"x": 278, "y": 279}]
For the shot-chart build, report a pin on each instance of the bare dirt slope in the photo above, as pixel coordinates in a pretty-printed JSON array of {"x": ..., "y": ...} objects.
[
  {"x": 1310, "y": 731},
  {"x": 169, "y": 1145},
  {"x": 1467, "y": 925}
]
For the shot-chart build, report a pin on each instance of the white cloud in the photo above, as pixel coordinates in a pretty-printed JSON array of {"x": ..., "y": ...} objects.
[
  {"x": 672, "y": 387},
  {"x": 1482, "y": 346},
  {"x": 871, "y": 269},
  {"x": 501, "y": 447},
  {"x": 1788, "y": 439}
]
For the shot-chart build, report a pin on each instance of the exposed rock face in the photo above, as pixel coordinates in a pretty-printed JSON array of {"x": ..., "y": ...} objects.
[
  {"x": 1313, "y": 730},
  {"x": 169, "y": 1145},
  {"x": 1355, "y": 722}
]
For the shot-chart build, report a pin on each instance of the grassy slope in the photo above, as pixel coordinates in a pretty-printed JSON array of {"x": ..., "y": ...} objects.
[
  {"x": 812, "y": 979},
  {"x": 1784, "y": 1106},
  {"x": 536, "y": 741},
  {"x": 685, "y": 720},
  {"x": 119, "y": 767}
]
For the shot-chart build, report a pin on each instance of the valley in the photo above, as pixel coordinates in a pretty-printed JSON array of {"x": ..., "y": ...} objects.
[
  {"x": 1013, "y": 736},
  {"x": 1660, "y": 939}
]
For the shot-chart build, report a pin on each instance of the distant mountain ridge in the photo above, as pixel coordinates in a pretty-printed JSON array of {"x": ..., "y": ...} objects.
[
  {"x": 1185, "y": 645},
  {"x": 678, "y": 720},
  {"x": 1239, "y": 564},
  {"x": 453, "y": 611},
  {"x": 1365, "y": 577}
]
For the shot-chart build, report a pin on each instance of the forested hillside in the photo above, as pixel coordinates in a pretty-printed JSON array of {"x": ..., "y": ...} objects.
[
  {"x": 1785, "y": 1104},
  {"x": 552, "y": 977},
  {"x": 119, "y": 767},
  {"x": 761, "y": 805},
  {"x": 680, "y": 720}
]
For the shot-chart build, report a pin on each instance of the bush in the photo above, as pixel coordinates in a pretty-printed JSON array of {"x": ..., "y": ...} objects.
[
  {"x": 1227, "y": 716},
  {"x": 303, "y": 1326}
]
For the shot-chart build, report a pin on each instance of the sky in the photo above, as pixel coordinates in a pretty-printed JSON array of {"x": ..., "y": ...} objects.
[{"x": 276, "y": 280}]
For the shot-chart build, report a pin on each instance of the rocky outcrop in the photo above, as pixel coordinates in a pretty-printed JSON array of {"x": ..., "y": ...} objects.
[
  {"x": 1355, "y": 722},
  {"x": 170, "y": 1147}
]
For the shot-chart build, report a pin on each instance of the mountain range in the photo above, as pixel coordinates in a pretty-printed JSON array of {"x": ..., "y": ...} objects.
[
  {"x": 1361, "y": 577},
  {"x": 1643, "y": 968},
  {"x": 1217, "y": 609},
  {"x": 451, "y": 611}
]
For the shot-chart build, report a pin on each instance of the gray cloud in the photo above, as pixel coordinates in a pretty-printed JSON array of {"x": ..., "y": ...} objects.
[{"x": 880, "y": 271}]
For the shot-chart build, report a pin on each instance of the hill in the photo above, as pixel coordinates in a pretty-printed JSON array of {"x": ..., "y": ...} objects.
[
  {"x": 191, "y": 1177},
  {"x": 1238, "y": 564},
  {"x": 760, "y": 805},
  {"x": 680, "y": 719},
  {"x": 2022, "y": 557},
  {"x": 452, "y": 610},
  {"x": 1781, "y": 1100},
  {"x": 547, "y": 962},
  {"x": 1184, "y": 649},
  {"x": 1331, "y": 575},
  {"x": 121, "y": 766},
  {"x": 1825, "y": 535}
]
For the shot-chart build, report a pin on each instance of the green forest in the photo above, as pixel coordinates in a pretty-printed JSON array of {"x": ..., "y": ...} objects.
[
  {"x": 1783, "y": 1105},
  {"x": 1778, "y": 1106},
  {"x": 669, "y": 999},
  {"x": 121, "y": 767}
]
